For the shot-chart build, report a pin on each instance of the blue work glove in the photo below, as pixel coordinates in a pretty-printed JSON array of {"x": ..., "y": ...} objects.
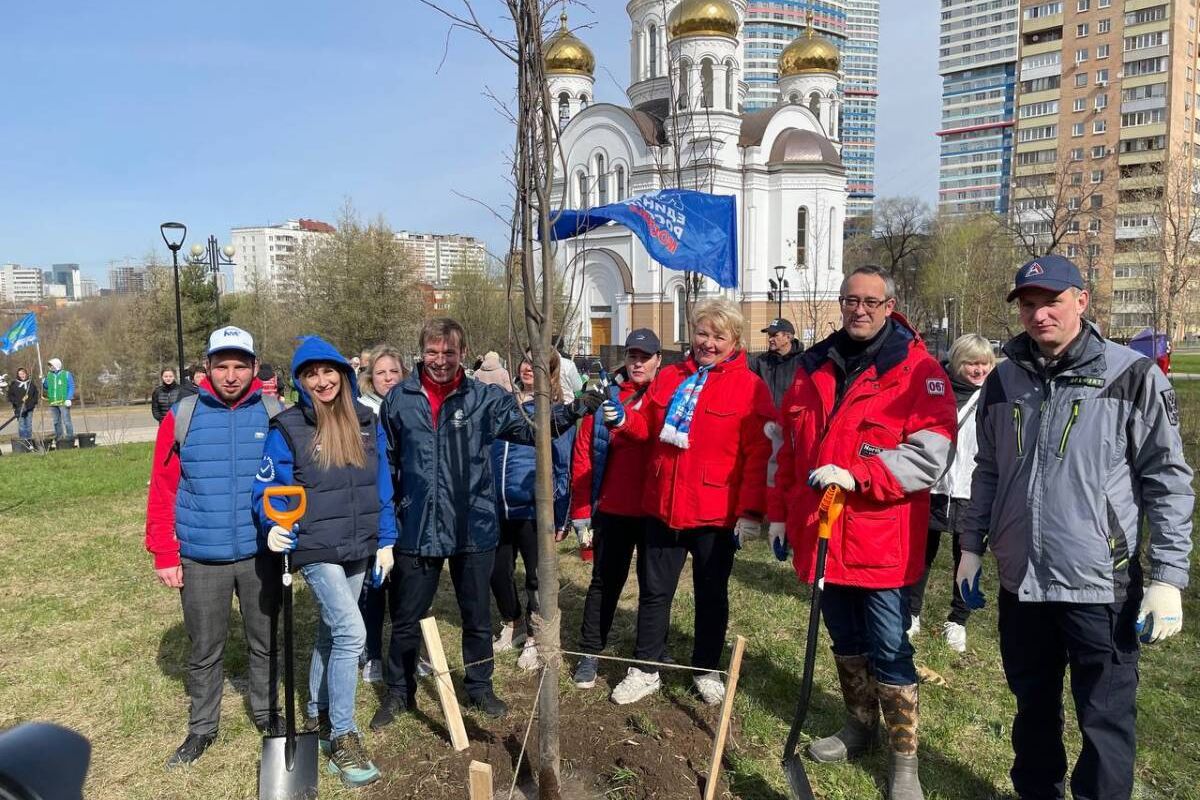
[
  {"x": 970, "y": 570},
  {"x": 281, "y": 540},
  {"x": 779, "y": 542},
  {"x": 614, "y": 413}
]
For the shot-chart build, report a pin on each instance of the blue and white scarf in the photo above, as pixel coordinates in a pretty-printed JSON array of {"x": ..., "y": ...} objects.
[{"x": 683, "y": 408}]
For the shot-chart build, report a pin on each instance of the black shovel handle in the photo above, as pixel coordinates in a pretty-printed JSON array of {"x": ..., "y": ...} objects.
[
  {"x": 810, "y": 652},
  {"x": 289, "y": 678}
]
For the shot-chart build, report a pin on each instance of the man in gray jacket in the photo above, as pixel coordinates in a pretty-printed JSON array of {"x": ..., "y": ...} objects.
[{"x": 1078, "y": 443}]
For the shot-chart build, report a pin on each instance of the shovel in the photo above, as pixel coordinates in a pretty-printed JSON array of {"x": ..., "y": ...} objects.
[
  {"x": 288, "y": 770},
  {"x": 793, "y": 765}
]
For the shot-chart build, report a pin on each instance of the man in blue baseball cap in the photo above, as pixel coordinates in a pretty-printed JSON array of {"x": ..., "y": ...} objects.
[{"x": 1078, "y": 447}]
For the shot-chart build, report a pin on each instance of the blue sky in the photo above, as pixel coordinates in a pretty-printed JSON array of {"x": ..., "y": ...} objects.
[{"x": 119, "y": 115}]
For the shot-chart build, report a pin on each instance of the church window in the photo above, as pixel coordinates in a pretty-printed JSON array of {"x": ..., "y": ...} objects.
[
  {"x": 583, "y": 102},
  {"x": 685, "y": 70},
  {"x": 564, "y": 109},
  {"x": 583, "y": 190},
  {"x": 802, "y": 237},
  {"x": 620, "y": 183},
  {"x": 653, "y": 51},
  {"x": 730, "y": 85},
  {"x": 601, "y": 180},
  {"x": 832, "y": 234},
  {"x": 814, "y": 104},
  {"x": 794, "y": 99},
  {"x": 680, "y": 309},
  {"x": 706, "y": 83}
]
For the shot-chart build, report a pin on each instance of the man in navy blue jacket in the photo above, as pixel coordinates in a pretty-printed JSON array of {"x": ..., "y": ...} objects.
[{"x": 440, "y": 426}]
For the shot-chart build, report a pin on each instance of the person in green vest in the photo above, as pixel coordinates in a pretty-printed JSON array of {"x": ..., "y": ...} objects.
[{"x": 59, "y": 386}]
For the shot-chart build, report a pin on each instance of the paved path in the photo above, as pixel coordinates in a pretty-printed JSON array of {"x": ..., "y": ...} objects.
[{"x": 111, "y": 424}]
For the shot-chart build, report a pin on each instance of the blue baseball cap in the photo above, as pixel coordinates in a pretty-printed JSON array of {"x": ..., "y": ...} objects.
[{"x": 1051, "y": 272}]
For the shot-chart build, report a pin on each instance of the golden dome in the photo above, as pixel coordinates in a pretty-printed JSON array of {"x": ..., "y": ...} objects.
[
  {"x": 566, "y": 54},
  {"x": 703, "y": 18},
  {"x": 808, "y": 53}
]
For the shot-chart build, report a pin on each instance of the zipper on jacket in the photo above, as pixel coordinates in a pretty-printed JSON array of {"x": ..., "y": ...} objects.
[
  {"x": 1062, "y": 444},
  {"x": 1018, "y": 425}
]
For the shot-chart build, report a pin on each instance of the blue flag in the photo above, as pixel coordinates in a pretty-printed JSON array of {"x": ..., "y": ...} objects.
[
  {"x": 682, "y": 229},
  {"x": 22, "y": 334}
]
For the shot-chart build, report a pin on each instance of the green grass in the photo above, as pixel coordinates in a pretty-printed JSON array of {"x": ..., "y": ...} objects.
[
  {"x": 89, "y": 640},
  {"x": 1185, "y": 362}
]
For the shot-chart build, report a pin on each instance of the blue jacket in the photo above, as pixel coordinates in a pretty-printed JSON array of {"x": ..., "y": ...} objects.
[
  {"x": 350, "y": 512},
  {"x": 217, "y": 463},
  {"x": 444, "y": 488},
  {"x": 515, "y": 468}
]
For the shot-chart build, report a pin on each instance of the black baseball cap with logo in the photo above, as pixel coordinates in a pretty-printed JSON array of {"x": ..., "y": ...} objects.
[
  {"x": 643, "y": 339},
  {"x": 1055, "y": 273},
  {"x": 780, "y": 326}
]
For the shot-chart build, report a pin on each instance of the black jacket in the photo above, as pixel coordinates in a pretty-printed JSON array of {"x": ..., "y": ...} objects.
[
  {"x": 23, "y": 397},
  {"x": 778, "y": 371},
  {"x": 162, "y": 398}
]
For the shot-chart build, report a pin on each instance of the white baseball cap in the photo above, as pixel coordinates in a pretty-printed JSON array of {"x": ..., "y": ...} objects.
[{"x": 230, "y": 338}]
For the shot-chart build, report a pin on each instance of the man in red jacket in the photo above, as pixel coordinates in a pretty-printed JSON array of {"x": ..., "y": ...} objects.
[
  {"x": 607, "y": 481},
  {"x": 872, "y": 412}
]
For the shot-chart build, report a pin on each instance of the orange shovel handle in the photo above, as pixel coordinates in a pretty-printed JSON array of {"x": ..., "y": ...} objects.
[
  {"x": 832, "y": 503},
  {"x": 287, "y": 517}
]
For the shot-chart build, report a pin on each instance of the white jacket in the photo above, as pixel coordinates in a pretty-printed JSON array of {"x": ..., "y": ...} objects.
[{"x": 956, "y": 480}]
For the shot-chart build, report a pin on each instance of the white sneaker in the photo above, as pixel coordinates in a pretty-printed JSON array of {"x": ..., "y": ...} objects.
[
  {"x": 372, "y": 671},
  {"x": 529, "y": 656},
  {"x": 956, "y": 636},
  {"x": 914, "y": 626},
  {"x": 424, "y": 668},
  {"x": 710, "y": 688},
  {"x": 635, "y": 685},
  {"x": 512, "y": 635}
]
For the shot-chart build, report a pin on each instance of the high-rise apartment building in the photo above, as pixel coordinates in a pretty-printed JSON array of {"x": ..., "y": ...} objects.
[
  {"x": 126, "y": 277},
  {"x": 20, "y": 284},
  {"x": 853, "y": 25},
  {"x": 1106, "y": 116},
  {"x": 441, "y": 253},
  {"x": 977, "y": 59},
  {"x": 265, "y": 254},
  {"x": 67, "y": 276}
]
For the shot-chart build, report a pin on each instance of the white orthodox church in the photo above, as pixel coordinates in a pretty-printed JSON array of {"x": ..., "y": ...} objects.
[{"x": 683, "y": 127}]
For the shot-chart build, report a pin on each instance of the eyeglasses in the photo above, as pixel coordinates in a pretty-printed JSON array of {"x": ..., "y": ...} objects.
[{"x": 869, "y": 303}]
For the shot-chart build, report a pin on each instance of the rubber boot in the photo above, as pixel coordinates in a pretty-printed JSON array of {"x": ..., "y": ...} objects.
[
  {"x": 901, "y": 706},
  {"x": 860, "y": 734}
]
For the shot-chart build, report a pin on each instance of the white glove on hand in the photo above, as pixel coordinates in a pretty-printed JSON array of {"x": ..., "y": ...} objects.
[
  {"x": 281, "y": 540},
  {"x": 583, "y": 532},
  {"x": 831, "y": 475},
  {"x": 970, "y": 569},
  {"x": 747, "y": 529},
  {"x": 1161, "y": 614},
  {"x": 779, "y": 542},
  {"x": 67, "y": 403},
  {"x": 614, "y": 413},
  {"x": 384, "y": 561}
]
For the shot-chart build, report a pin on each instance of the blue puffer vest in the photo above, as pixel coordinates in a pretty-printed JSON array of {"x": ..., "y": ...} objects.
[
  {"x": 601, "y": 438},
  {"x": 515, "y": 469},
  {"x": 218, "y": 462}
]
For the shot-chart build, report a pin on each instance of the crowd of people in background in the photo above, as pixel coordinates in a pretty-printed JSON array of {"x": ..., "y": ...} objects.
[{"x": 1052, "y": 459}]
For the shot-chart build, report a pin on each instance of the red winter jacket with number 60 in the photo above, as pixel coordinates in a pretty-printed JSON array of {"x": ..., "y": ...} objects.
[
  {"x": 722, "y": 475},
  {"x": 894, "y": 431}
]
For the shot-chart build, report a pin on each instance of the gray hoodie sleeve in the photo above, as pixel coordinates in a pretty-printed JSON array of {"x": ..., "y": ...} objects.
[
  {"x": 1164, "y": 478},
  {"x": 973, "y": 538}
]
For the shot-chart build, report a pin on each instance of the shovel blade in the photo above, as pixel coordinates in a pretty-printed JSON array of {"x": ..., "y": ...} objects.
[
  {"x": 797, "y": 779},
  {"x": 276, "y": 781}
]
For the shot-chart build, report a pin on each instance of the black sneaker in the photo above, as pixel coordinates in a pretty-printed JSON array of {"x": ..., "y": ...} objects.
[
  {"x": 348, "y": 760},
  {"x": 320, "y": 725},
  {"x": 393, "y": 706},
  {"x": 489, "y": 704},
  {"x": 585, "y": 672},
  {"x": 192, "y": 748},
  {"x": 274, "y": 726}
]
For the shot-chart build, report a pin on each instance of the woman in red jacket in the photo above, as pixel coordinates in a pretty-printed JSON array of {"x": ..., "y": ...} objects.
[{"x": 705, "y": 489}]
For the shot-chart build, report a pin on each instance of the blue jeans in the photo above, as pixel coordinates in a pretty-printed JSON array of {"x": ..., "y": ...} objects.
[
  {"x": 874, "y": 623},
  {"x": 333, "y": 676},
  {"x": 62, "y": 419},
  {"x": 25, "y": 425}
]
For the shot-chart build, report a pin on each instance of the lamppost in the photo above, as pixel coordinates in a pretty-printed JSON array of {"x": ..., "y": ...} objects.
[
  {"x": 212, "y": 257},
  {"x": 779, "y": 287},
  {"x": 173, "y": 233}
]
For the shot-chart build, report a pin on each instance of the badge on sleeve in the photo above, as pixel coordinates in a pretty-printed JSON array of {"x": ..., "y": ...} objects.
[
  {"x": 936, "y": 387},
  {"x": 1171, "y": 406}
]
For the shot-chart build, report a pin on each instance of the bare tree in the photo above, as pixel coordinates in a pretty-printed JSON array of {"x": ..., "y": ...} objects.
[
  {"x": 815, "y": 285},
  {"x": 967, "y": 275},
  {"x": 1052, "y": 207},
  {"x": 901, "y": 233},
  {"x": 1173, "y": 239}
]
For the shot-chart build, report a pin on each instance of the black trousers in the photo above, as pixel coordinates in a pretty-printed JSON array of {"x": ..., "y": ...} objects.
[
  {"x": 516, "y": 536},
  {"x": 1098, "y": 642},
  {"x": 372, "y": 603},
  {"x": 411, "y": 589},
  {"x": 615, "y": 538},
  {"x": 959, "y": 612},
  {"x": 660, "y": 563}
]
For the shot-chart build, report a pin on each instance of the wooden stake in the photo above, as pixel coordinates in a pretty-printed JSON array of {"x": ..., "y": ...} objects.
[
  {"x": 445, "y": 687},
  {"x": 714, "y": 767},
  {"x": 480, "y": 783}
]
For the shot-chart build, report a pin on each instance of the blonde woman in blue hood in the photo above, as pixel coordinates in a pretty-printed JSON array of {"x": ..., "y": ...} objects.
[{"x": 334, "y": 447}]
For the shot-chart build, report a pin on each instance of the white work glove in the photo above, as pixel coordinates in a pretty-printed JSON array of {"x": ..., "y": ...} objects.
[
  {"x": 779, "y": 542},
  {"x": 970, "y": 570},
  {"x": 614, "y": 413},
  {"x": 831, "y": 475},
  {"x": 583, "y": 532},
  {"x": 1161, "y": 614},
  {"x": 384, "y": 561},
  {"x": 67, "y": 403},
  {"x": 747, "y": 529},
  {"x": 281, "y": 540}
]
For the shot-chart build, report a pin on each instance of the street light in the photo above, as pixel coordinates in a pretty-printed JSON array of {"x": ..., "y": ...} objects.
[
  {"x": 212, "y": 257},
  {"x": 779, "y": 287},
  {"x": 173, "y": 233}
]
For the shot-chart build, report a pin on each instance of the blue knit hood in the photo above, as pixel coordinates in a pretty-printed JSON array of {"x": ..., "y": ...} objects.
[{"x": 314, "y": 348}]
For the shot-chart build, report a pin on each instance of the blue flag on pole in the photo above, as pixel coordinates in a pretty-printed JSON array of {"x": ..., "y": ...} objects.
[
  {"x": 682, "y": 229},
  {"x": 22, "y": 334}
]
